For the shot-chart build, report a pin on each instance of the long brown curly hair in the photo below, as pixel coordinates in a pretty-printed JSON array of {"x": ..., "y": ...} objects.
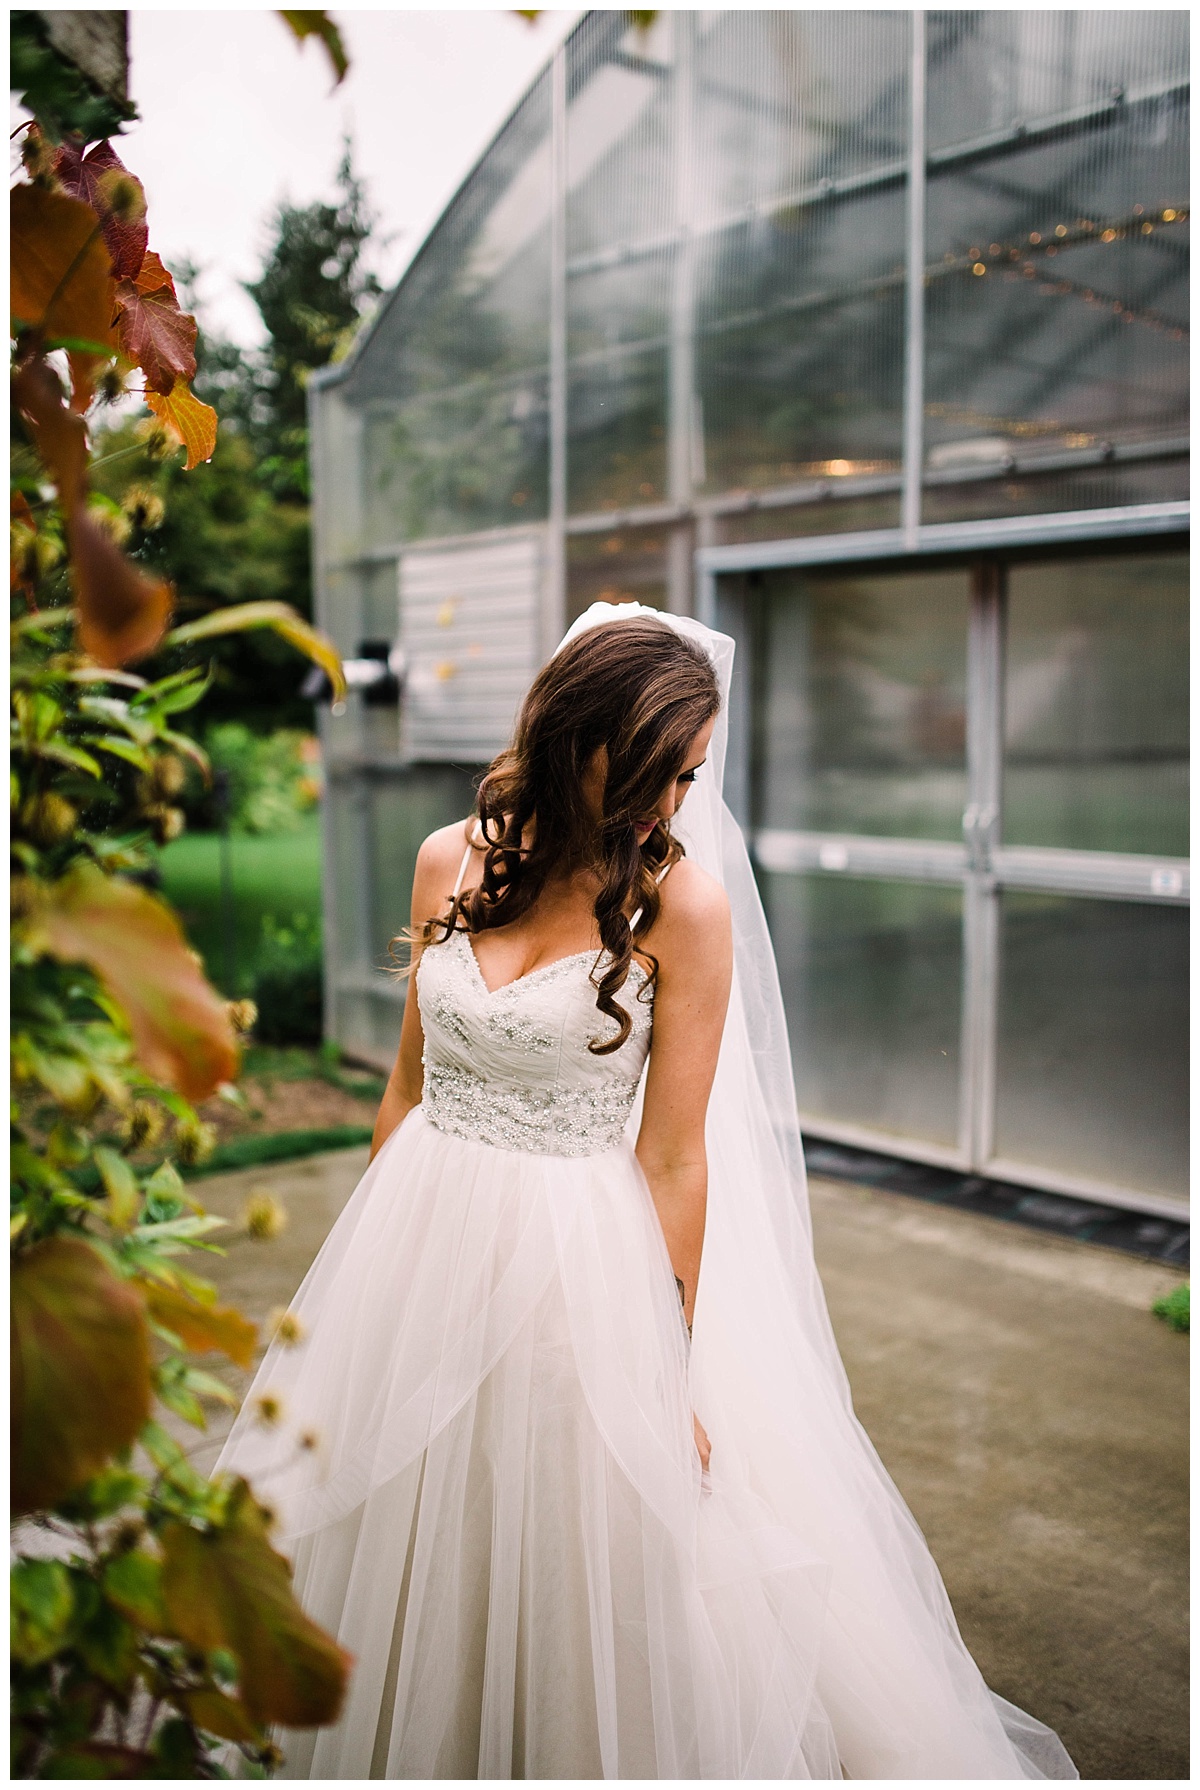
[{"x": 643, "y": 692}]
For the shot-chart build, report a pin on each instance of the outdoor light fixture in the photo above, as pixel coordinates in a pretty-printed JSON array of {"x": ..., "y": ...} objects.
[{"x": 378, "y": 671}]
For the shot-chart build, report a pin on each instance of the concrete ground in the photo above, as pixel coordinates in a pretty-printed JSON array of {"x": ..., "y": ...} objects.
[{"x": 1032, "y": 1411}]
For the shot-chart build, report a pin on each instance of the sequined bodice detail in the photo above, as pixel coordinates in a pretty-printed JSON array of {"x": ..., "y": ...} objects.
[{"x": 512, "y": 1068}]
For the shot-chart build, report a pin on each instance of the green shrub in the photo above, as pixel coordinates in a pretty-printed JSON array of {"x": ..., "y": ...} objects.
[
  {"x": 287, "y": 988},
  {"x": 1175, "y": 1308},
  {"x": 271, "y": 785}
]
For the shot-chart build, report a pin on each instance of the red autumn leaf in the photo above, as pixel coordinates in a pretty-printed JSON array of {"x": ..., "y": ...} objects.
[
  {"x": 101, "y": 179},
  {"x": 60, "y": 280},
  {"x": 180, "y": 1026},
  {"x": 152, "y": 274},
  {"x": 58, "y": 434},
  {"x": 80, "y": 1369},
  {"x": 153, "y": 330},
  {"x": 122, "y": 613},
  {"x": 191, "y": 423},
  {"x": 229, "y": 1588}
]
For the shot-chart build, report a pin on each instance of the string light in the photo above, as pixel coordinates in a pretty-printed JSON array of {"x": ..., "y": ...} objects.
[{"x": 1085, "y": 230}]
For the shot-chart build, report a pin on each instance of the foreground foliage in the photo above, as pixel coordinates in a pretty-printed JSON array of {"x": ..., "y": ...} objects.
[{"x": 151, "y": 1617}]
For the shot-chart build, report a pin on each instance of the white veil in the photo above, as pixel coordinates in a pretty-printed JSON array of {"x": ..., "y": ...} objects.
[{"x": 766, "y": 1376}]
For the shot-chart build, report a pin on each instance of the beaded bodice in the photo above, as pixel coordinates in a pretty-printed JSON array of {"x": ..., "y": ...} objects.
[{"x": 512, "y": 1067}]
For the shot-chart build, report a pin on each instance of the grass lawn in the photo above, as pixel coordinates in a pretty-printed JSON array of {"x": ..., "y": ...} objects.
[{"x": 277, "y": 874}]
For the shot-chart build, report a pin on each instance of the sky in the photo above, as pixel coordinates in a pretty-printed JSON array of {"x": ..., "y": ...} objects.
[{"x": 235, "y": 115}]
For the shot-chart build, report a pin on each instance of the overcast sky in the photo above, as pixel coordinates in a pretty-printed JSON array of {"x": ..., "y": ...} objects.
[{"x": 235, "y": 115}]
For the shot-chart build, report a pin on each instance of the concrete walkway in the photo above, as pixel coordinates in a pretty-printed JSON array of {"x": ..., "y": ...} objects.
[{"x": 1032, "y": 1411}]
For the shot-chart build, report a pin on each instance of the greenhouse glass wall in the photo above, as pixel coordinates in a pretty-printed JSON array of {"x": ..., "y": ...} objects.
[{"x": 864, "y": 336}]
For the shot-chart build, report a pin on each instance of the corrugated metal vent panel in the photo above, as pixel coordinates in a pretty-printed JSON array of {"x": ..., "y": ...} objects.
[{"x": 468, "y": 625}]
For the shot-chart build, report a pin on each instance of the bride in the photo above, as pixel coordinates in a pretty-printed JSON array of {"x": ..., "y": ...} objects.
[{"x": 569, "y": 1463}]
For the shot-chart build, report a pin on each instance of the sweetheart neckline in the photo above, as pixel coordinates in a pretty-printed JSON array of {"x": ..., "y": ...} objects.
[{"x": 538, "y": 969}]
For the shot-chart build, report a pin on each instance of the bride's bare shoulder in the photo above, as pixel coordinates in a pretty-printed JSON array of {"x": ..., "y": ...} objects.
[
  {"x": 695, "y": 909},
  {"x": 437, "y": 866}
]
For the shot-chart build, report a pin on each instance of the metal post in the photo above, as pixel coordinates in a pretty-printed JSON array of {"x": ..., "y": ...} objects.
[
  {"x": 681, "y": 375},
  {"x": 554, "y": 609},
  {"x": 981, "y": 833},
  {"x": 228, "y": 914},
  {"x": 914, "y": 356}
]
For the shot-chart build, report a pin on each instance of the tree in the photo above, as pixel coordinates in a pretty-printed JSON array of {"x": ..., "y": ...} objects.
[
  {"x": 236, "y": 529},
  {"x": 311, "y": 295}
]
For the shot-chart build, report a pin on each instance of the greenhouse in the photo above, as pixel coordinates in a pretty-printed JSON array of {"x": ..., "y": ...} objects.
[{"x": 864, "y": 336}]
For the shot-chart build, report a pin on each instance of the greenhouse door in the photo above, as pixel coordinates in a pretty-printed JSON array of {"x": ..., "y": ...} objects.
[{"x": 965, "y": 789}]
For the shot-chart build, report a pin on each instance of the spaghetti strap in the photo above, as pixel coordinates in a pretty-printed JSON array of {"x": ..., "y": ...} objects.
[
  {"x": 462, "y": 869},
  {"x": 658, "y": 879}
]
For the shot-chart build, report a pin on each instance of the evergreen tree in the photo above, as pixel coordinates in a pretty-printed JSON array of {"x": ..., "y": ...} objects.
[{"x": 311, "y": 296}]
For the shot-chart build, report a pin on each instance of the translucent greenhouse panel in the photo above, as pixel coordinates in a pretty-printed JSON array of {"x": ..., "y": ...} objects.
[
  {"x": 621, "y": 100},
  {"x": 862, "y": 724},
  {"x": 475, "y": 301},
  {"x": 1078, "y": 488},
  {"x": 456, "y": 461},
  {"x": 469, "y": 623},
  {"x": 1096, "y": 705},
  {"x": 800, "y": 244},
  {"x": 1093, "y": 1041},
  {"x": 872, "y": 982},
  {"x": 616, "y": 431},
  {"x": 336, "y": 459},
  {"x": 628, "y": 565},
  {"x": 405, "y": 809},
  {"x": 452, "y": 382},
  {"x": 789, "y": 521},
  {"x": 1057, "y": 252}
]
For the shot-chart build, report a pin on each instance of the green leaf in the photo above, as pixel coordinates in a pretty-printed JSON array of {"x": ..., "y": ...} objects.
[
  {"x": 121, "y": 1186},
  {"x": 208, "y": 1386},
  {"x": 80, "y": 1369},
  {"x": 320, "y": 25},
  {"x": 180, "y": 1229},
  {"x": 41, "y": 1606},
  {"x": 163, "y": 1449},
  {"x": 241, "y": 617},
  {"x": 176, "y": 1397},
  {"x": 119, "y": 748},
  {"x": 133, "y": 1583},
  {"x": 105, "y": 1494},
  {"x": 59, "y": 752},
  {"x": 108, "y": 1645}
]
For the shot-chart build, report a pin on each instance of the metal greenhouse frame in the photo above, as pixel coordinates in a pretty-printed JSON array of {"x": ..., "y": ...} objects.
[{"x": 716, "y": 317}]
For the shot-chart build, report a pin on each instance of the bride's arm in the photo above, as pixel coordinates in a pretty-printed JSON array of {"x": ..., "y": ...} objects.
[
  {"x": 437, "y": 866},
  {"x": 693, "y": 943}
]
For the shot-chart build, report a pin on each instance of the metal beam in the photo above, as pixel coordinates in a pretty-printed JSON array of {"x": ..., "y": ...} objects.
[
  {"x": 914, "y": 324},
  {"x": 554, "y": 606},
  {"x": 940, "y": 538}
]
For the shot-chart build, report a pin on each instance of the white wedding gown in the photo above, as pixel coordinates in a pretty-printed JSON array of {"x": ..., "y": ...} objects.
[
  {"x": 504, "y": 1518},
  {"x": 511, "y": 1532}
]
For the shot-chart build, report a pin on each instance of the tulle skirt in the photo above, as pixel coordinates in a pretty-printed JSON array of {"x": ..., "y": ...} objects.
[{"x": 482, "y": 1459}]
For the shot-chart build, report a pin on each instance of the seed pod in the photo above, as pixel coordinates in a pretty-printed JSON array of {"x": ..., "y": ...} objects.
[
  {"x": 194, "y": 1141},
  {"x": 169, "y": 774},
  {"x": 143, "y": 1125},
  {"x": 48, "y": 818},
  {"x": 166, "y": 822},
  {"x": 144, "y": 508}
]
